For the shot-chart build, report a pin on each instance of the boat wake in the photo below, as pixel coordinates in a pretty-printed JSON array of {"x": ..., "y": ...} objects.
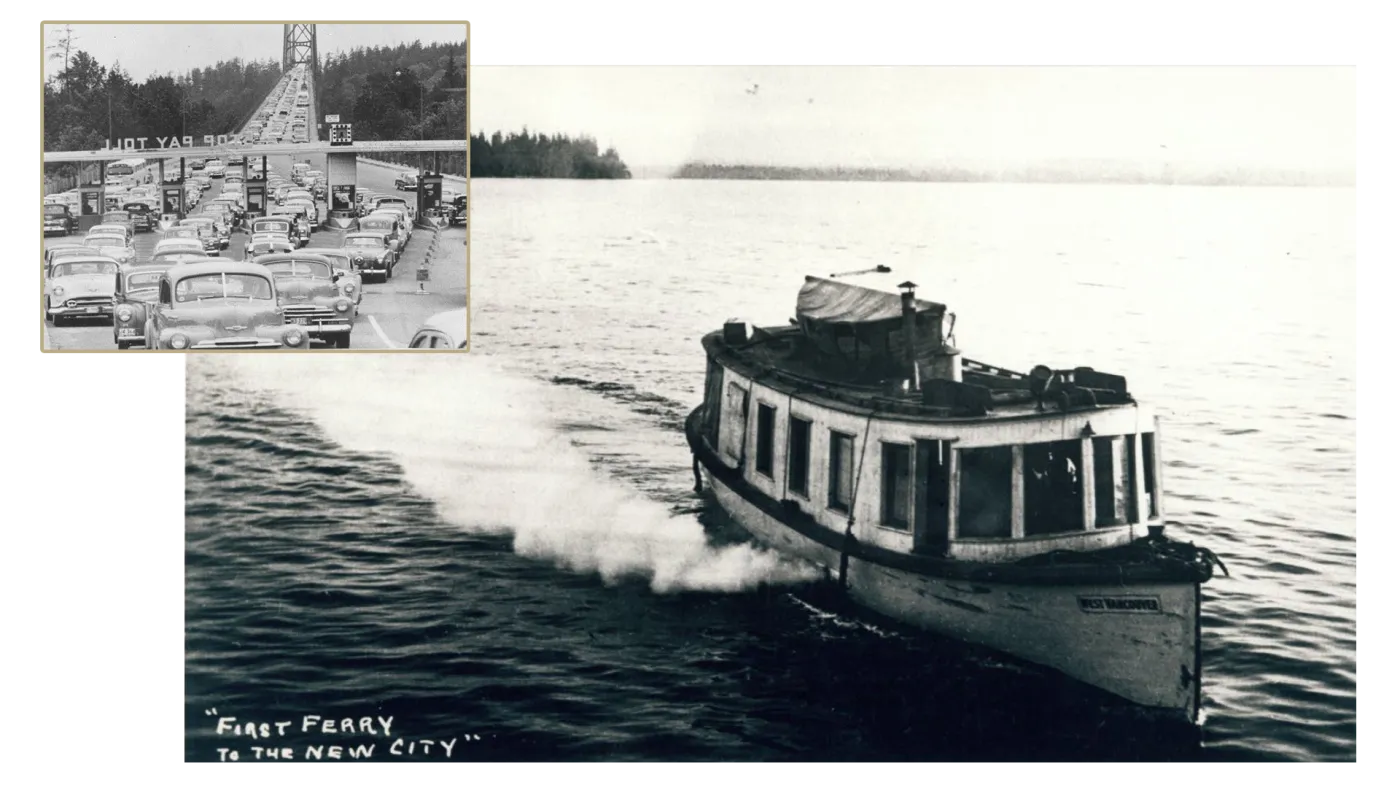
[{"x": 478, "y": 442}]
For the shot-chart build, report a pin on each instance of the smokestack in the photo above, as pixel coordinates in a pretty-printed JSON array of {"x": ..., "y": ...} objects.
[{"x": 906, "y": 302}]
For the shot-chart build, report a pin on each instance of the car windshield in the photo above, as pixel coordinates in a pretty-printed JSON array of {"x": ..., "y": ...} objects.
[
  {"x": 85, "y": 268},
  {"x": 283, "y": 268},
  {"x": 222, "y": 285},
  {"x": 182, "y": 232},
  {"x": 272, "y": 227},
  {"x": 179, "y": 245},
  {"x": 366, "y": 241},
  {"x": 377, "y": 224},
  {"x": 55, "y": 210},
  {"x": 104, "y": 240},
  {"x": 143, "y": 280}
]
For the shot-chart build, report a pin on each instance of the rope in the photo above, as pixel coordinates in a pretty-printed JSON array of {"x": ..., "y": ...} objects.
[{"x": 850, "y": 541}]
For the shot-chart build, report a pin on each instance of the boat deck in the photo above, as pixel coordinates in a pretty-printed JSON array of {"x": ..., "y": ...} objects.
[{"x": 782, "y": 358}]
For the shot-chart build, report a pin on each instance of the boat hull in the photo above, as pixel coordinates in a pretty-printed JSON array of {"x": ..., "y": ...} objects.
[{"x": 1136, "y": 640}]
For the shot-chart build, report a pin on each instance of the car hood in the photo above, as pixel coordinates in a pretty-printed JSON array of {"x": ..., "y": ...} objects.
[
  {"x": 85, "y": 284},
  {"x": 300, "y": 290},
  {"x": 225, "y": 315},
  {"x": 366, "y": 254}
]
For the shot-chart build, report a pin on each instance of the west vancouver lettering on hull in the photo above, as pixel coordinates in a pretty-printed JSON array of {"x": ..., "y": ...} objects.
[{"x": 1120, "y": 604}]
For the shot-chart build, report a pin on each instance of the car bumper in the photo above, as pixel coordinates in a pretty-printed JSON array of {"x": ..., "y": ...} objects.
[
  {"x": 96, "y": 310},
  {"x": 55, "y": 228},
  {"x": 130, "y": 334},
  {"x": 237, "y": 343},
  {"x": 322, "y": 330}
]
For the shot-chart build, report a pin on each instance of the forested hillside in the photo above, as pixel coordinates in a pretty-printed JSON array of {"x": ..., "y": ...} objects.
[{"x": 377, "y": 89}]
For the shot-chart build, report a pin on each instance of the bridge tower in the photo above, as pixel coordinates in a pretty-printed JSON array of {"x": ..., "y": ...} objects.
[{"x": 299, "y": 46}]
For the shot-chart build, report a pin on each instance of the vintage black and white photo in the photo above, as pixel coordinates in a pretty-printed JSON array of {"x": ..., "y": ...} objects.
[
  {"x": 820, "y": 413},
  {"x": 216, "y": 186}
]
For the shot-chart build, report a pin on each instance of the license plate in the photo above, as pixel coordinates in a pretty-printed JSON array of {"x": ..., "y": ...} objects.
[
  {"x": 126, "y": 332},
  {"x": 301, "y": 321},
  {"x": 92, "y": 310}
]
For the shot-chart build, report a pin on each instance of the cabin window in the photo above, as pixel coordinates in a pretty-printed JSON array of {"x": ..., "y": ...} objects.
[
  {"x": 714, "y": 387},
  {"x": 1149, "y": 473},
  {"x": 1054, "y": 497},
  {"x": 1113, "y": 480},
  {"x": 984, "y": 492},
  {"x": 842, "y": 470},
  {"x": 763, "y": 452},
  {"x": 734, "y": 423},
  {"x": 894, "y": 486},
  {"x": 799, "y": 454}
]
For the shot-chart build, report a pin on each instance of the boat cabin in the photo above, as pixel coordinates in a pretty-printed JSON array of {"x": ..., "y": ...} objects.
[{"x": 863, "y": 415}]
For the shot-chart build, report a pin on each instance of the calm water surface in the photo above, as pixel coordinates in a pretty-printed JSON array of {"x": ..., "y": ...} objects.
[{"x": 506, "y": 548}]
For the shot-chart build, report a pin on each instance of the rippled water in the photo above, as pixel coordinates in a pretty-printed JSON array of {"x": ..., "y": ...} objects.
[{"x": 507, "y": 545}]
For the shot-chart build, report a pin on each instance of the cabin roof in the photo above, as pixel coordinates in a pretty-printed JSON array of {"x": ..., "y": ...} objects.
[
  {"x": 783, "y": 358},
  {"x": 830, "y": 301}
]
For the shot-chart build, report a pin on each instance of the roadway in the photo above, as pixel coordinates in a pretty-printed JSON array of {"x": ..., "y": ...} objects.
[{"x": 391, "y": 311}]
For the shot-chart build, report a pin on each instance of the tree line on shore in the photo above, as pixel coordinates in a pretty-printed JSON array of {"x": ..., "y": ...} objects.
[{"x": 525, "y": 155}]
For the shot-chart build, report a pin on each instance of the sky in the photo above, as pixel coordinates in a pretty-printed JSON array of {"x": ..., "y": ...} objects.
[
  {"x": 1288, "y": 117},
  {"x": 146, "y": 49}
]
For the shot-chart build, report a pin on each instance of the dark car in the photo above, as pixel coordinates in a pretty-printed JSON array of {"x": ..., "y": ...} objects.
[
  {"x": 142, "y": 218},
  {"x": 459, "y": 210},
  {"x": 59, "y": 219}
]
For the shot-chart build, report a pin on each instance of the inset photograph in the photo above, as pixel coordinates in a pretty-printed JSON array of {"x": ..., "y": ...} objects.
[{"x": 275, "y": 186}]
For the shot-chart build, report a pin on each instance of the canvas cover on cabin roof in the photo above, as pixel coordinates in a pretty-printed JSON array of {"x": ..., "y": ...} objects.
[{"x": 830, "y": 301}]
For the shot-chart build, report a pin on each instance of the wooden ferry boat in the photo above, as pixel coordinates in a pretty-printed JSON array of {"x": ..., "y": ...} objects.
[{"x": 1022, "y": 512}]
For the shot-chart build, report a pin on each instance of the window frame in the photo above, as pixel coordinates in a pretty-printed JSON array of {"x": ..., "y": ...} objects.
[{"x": 834, "y": 439}]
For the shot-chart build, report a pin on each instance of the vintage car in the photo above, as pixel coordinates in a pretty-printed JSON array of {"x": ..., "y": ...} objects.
[
  {"x": 196, "y": 165},
  {"x": 173, "y": 256},
  {"x": 308, "y": 209},
  {"x": 459, "y": 211},
  {"x": 391, "y": 201},
  {"x": 351, "y": 282},
  {"x": 443, "y": 331},
  {"x": 80, "y": 286},
  {"x": 301, "y": 222},
  {"x": 142, "y": 218},
  {"x": 209, "y": 234},
  {"x": 193, "y": 245},
  {"x": 406, "y": 181},
  {"x": 119, "y": 216},
  {"x": 371, "y": 254},
  {"x": 309, "y": 290},
  {"x": 219, "y": 304},
  {"x": 390, "y": 226},
  {"x": 396, "y": 211},
  {"x": 180, "y": 231},
  {"x": 136, "y": 288},
  {"x": 275, "y": 225},
  {"x": 63, "y": 245},
  {"x": 73, "y": 248},
  {"x": 215, "y": 169},
  {"x": 122, "y": 229},
  {"x": 267, "y": 243},
  {"x": 59, "y": 219},
  {"x": 110, "y": 246}
]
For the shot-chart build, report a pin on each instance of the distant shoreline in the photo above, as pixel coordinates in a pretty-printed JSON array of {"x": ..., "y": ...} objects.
[{"x": 1097, "y": 173}]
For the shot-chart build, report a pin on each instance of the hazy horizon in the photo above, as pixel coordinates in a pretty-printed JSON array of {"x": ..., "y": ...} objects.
[{"x": 910, "y": 117}]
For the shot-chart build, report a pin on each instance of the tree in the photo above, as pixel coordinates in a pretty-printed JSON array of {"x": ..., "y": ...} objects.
[{"x": 62, "y": 49}]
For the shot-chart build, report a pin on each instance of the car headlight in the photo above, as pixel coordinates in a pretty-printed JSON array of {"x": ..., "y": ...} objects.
[
  {"x": 342, "y": 306},
  {"x": 179, "y": 341},
  {"x": 293, "y": 337},
  {"x": 58, "y": 290},
  {"x": 124, "y": 313},
  {"x": 349, "y": 287}
]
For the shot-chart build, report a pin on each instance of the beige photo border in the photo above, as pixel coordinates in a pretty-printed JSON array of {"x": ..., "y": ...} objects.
[{"x": 43, "y": 25}]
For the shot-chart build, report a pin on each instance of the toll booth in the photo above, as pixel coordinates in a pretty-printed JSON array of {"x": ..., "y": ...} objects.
[
  {"x": 429, "y": 195},
  {"x": 172, "y": 199},
  {"x": 91, "y": 203},
  {"x": 341, "y": 207},
  {"x": 255, "y": 197}
]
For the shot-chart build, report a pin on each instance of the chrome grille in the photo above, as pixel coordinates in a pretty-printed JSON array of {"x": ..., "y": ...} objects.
[
  {"x": 89, "y": 301},
  {"x": 309, "y": 314}
]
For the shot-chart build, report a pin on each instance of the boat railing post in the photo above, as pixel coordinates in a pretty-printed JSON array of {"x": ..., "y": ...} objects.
[
  {"x": 954, "y": 474},
  {"x": 1086, "y": 481},
  {"x": 1018, "y": 492}
]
